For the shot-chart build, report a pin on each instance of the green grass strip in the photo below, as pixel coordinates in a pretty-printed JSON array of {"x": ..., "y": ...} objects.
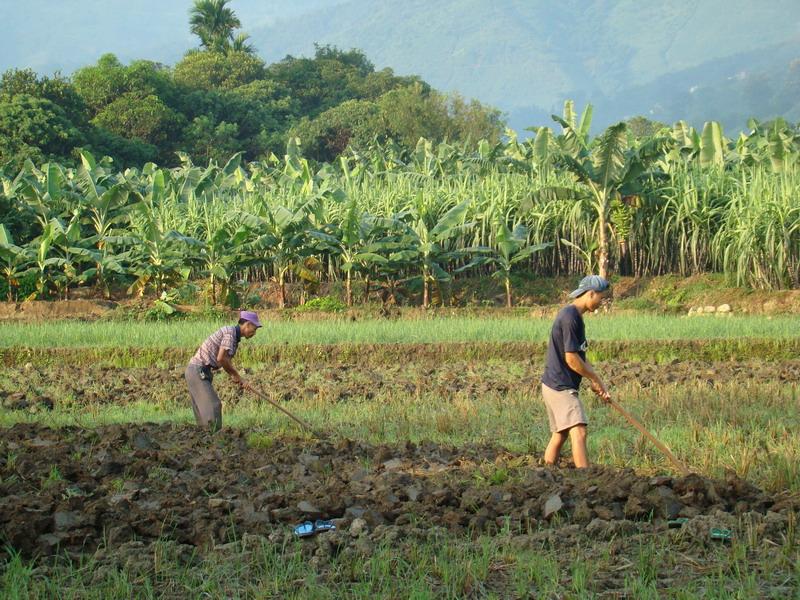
[{"x": 189, "y": 334}]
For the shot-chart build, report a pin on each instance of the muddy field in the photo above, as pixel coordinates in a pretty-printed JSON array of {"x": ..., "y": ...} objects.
[
  {"x": 41, "y": 388},
  {"x": 118, "y": 489},
  {"x": 131, "y": 498}
]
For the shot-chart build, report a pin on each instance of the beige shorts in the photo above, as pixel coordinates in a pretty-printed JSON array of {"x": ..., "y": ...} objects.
[{"x": 564, "y": 408}]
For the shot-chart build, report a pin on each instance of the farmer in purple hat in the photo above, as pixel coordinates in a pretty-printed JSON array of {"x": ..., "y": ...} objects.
[{"x": 216, "y": 353}]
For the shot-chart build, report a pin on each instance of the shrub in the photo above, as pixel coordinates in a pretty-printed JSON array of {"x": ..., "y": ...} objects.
[{"x": 323, "y": 304}]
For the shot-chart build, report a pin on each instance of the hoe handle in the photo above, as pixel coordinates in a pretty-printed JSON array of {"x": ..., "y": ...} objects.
[
  {"x": 678, "y": 464},
  {"x": 280, "y": 408}
]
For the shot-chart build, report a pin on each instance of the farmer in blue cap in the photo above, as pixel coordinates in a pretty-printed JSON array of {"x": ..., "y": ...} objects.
[
  {"x": 565, "y": 366},
  {"x": 216, "y": 353}
]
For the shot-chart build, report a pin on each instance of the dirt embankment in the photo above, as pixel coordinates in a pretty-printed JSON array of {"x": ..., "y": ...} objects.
[
  {"x": 540, "y": 297},
  {"x": 39, "y": 310}
]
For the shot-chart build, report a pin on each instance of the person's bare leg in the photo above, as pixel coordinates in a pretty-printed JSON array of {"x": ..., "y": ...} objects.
[
  {"x": 577, "y": 439},
  {"x": 554, "y": 447}
]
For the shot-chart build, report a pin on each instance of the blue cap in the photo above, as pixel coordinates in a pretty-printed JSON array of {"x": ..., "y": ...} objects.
[{"x": 593, "y": 283}]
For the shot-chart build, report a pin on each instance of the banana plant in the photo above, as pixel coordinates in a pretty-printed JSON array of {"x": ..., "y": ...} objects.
[
  {"x": 297, "y": 171},
  {"x": 574, "y": 136},
  {"x": 283, "y": 239},
  {"x": 393, "y": 246},
  {"x": 713, "y": 145},
  {"x": 511, "y": 249},
  {"x": 159, "y": 256},
  {"x": 44, "y": 194},
  {"x": 357, "y": 241},
  {"x": 605, "y": 169},
  {"x": 542, "y": 150},
  {"x": 774, "y": 143},
  {"x": 423, "y": 160},
  {"x": 44, "y": 259},
  {"x": 682, "y": 147},
  {"x": 378, "y": 159},
  {"x": 71, "y": 249},
  {"x": 225, "y": 248},
  {"x": 105, "y": 205},
  {"x": 16, "y": 261},
  {"x": 105, "y": 265},
  {"x": 426, "y": 246}
]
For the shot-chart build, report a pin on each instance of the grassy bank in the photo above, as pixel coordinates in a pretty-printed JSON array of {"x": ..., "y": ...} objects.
[
  {"x": 189, "y": 334},
  {"x": 657, "y": 352}
]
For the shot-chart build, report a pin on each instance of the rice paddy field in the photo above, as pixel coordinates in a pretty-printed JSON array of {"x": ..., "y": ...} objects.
[{"x": 427, "y": 457}]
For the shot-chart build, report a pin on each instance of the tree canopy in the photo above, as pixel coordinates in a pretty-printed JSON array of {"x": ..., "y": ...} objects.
[{"x": 222, "y": 98}]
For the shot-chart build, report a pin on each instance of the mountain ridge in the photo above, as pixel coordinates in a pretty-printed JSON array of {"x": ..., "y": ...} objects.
[{"x": 523, "y": 56}]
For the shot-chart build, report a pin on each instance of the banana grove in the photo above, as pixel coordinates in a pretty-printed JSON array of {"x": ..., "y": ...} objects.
[{"x": 563, "y": 202}]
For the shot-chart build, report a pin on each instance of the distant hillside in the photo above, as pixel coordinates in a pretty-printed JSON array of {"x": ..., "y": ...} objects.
[
  {"x": 764, "y": 83},
  {"x": 693, "y": 59},
  {"x": 47, "y": 36},
  {"x": 527, "y": 56}
]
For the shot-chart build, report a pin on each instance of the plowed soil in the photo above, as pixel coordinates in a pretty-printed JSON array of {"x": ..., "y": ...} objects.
[
  {"x": 72, "y": 490},
  {"x": 69, "y": 385}
]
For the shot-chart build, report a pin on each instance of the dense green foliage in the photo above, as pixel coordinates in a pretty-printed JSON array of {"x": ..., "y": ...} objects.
[
  {"x": 407, "y": 222},
  {"x": 383, "y": 180},
  {"x": 222, "y": 100},
  {"x": 726, "y": 60}
]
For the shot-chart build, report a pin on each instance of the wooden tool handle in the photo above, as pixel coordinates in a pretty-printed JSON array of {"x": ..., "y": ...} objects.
[
  {"x": 678, "y": 464},
  {"x": 280, "y": 408}
]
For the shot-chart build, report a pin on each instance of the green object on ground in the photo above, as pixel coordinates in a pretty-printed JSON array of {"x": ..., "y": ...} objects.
[
  {"x": 677, "y": 523},
  {"x": 723, "y": 535}
]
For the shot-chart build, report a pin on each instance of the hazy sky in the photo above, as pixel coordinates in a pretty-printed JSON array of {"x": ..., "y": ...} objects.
[{"x": 49, "y": 35}]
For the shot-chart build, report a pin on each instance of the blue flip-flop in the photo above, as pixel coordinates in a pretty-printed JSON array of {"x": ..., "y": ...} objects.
[
  {"x": 304, "y": 529},
  {"x": 320, "y": 525},
  {"x": 307, "y": 529}
]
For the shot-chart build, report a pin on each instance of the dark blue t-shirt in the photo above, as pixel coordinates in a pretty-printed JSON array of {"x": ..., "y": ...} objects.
[{"x": 567, "y": 335}]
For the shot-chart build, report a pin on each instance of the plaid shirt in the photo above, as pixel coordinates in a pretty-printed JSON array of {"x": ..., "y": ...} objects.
[{"x": 227, "y": 337}]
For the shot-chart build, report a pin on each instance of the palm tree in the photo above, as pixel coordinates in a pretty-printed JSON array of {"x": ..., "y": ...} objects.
[
  {"x": 213, "y": 22},
  {"x": 240, "y": 44}
]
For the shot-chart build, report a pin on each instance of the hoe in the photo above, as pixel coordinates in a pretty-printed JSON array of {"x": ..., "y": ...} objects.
[
  {"x": 678, "y": 464},
  {"x": 303, "y": 424}
]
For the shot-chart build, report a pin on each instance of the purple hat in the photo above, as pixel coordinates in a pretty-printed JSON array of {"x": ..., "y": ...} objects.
[{"x": 250, "y": 316}]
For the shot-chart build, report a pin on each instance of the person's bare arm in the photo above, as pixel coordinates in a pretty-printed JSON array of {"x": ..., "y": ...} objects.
[
  {"x": 224, "y": 361},
  {"x": 584, "y": 369}
]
